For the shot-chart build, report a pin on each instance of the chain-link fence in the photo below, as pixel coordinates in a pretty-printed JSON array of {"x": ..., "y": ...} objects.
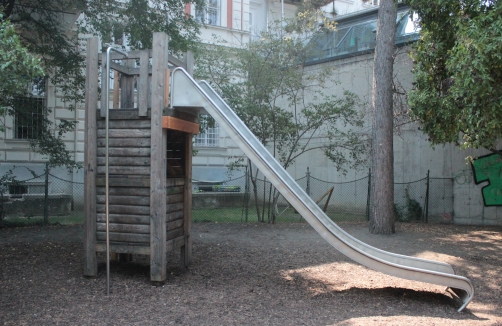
[
  {"x": 246, "y": 199},
  {"x": 51, "y": 199},
  {"x": 40, "y": 200},
  {"x": 410, "y": 200}
]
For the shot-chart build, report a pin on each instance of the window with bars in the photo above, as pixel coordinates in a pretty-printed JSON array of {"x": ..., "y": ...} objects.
[
  {"x": 210, "y": 14},
  {"x": 208, "y": 138},
  {"x": 30, "y": 112}
]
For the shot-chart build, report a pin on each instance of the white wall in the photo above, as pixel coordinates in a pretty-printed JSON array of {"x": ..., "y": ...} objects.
[{"x": 343, "y": 7}]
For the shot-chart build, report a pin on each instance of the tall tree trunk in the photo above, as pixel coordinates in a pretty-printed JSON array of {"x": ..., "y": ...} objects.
[{"x": 382, "y": 155}]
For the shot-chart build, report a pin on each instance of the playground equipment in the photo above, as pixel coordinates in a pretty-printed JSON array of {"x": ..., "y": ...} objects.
[
  {"x": 164, "y": 224},
  {"x": 137, "y": 162}
]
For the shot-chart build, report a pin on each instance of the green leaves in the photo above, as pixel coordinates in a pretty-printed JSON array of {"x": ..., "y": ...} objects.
[
  {"x": 137, "y": 20},
  {"x": 458, "y": 72},
  {"x": 17, "y": 66}
]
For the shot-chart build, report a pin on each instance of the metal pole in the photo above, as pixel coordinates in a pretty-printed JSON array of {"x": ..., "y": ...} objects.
[
  {"x": 107, "y": 119},
  {"x": 427, "y": 199},
  {"x": 282, "y": 13},
  {"x": 368, "y": 197},
  {"x": 46, "y": 195},
  {"x": 308, "y": 182},
  {"x": 246, "y": 192}
]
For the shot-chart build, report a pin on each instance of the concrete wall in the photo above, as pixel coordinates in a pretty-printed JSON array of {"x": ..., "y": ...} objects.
[
  {"x": 414, "y": 156},
  {"x": 413, "y": 153}
]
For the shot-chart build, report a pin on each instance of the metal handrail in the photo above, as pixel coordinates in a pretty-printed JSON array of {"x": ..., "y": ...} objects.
[{"x": 107, "y": 127}]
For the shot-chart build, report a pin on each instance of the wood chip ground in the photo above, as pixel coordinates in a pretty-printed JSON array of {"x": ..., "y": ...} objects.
[{"x": 249, "y": 274}]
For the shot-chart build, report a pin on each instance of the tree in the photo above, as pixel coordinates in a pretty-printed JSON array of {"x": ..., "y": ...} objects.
[
  {"x": 382, "y": 151},
  {"x": 46, "y": 30},
  {"x": 457, "y": 94},
  {"x": 284, "y": 103}
]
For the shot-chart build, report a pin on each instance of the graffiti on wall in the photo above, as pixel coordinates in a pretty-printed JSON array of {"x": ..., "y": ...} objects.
[
  {"x": 489, "y": 168},
  {"x": 463, "y": 177}
]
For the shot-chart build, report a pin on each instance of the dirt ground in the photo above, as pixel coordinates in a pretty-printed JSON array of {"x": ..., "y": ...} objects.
[{"x": 249, "y": 274}]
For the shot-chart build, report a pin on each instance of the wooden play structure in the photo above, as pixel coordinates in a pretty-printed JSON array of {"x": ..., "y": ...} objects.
[
  {"x": 149, "y": 160},
  {"x": 146, "y": 174}
]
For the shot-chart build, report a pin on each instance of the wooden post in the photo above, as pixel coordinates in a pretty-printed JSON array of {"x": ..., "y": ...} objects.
[
  {"x": 189, "y": 60},
  {"x": 186, "y": 249},
  {"x": 90, "y": 163},
  {"x": 158, "y": 255},
  {"x": 143, "y": 84},
  {"x": 127, "y": 88},
  {"x": 116, "y": 89}
]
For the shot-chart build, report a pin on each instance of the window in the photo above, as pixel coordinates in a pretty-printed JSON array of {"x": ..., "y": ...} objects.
[
  {"x": 210, "y": 14},
  {"x": 358, "y": 37},
  {"x": 356, "y": 34},
  {"x": 370, "y": 3},
  {"x": 18, "y": 189},
  {"x": 210, "y": 136},
  {"x": 30, "y": 112}
]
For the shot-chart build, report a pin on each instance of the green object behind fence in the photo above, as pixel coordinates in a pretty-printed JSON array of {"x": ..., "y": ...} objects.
[{"x": 489, "y": 168}]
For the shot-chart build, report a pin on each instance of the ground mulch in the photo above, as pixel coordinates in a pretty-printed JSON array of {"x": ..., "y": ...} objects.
[{"x": 249, "y": 274}]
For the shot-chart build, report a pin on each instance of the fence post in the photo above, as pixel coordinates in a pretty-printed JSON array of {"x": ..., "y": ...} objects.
[
  {"x": 308, "y": 181},
  {"x": 246, "y": 193},
  {"x": 368, "y": 197},
  {"x": 427, "y": 198},
  {"x": 46, "y": 197}
]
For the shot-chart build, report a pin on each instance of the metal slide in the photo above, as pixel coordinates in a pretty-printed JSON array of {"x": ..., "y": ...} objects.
[{"x": 186, "y": 92}]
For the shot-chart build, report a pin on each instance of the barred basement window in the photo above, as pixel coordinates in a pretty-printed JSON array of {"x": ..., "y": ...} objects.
[
  {"x": 30, "y": 112},
  {"x": 29, "y": 117},
  {"x": 18, "y": 189}
]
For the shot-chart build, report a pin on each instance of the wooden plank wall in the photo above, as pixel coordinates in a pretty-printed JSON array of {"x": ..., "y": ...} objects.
[
  {"x": 129, "y": 180},
  {"x": 129, "y": 185},
  {"x": 175, "y": 209}
]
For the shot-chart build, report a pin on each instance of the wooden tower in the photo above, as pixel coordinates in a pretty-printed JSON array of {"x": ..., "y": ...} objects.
[{"x": 150, "y": 161}]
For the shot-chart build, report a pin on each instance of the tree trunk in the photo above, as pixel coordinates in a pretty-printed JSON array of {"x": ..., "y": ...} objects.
[
  {"x": 255, "y": 189},
  {"x": 382, "y": 156}
]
